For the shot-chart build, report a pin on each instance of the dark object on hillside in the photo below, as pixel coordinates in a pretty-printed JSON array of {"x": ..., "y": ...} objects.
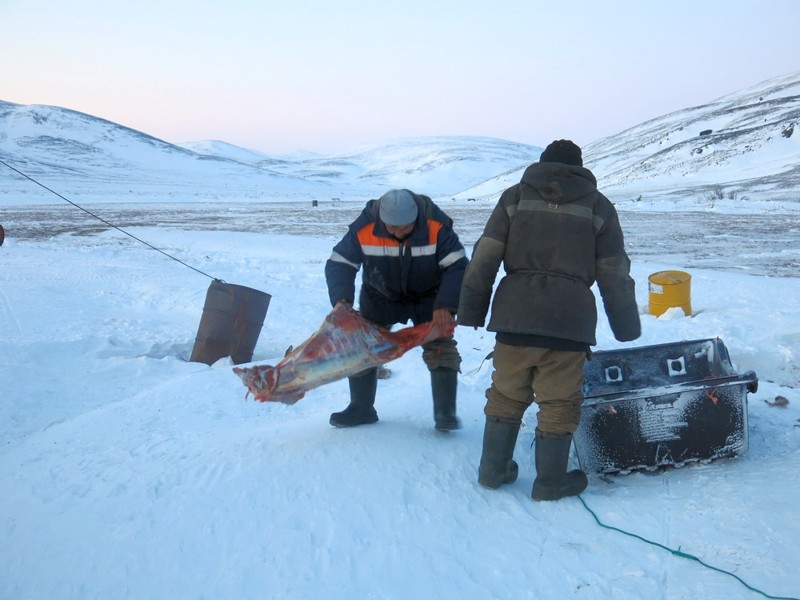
[
  {"x": 2, "y": 235},
  {"x": 788, "y": 131},
  {"x": 662, "y": 405},
  {"x": 706, "y": 132}
]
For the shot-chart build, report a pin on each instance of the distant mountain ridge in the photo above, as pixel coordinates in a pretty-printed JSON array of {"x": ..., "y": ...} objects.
[
  {"x": 743, "y": 146},
  {"x": 96, "y": 157},
  {"x": 433, "y": 165}
]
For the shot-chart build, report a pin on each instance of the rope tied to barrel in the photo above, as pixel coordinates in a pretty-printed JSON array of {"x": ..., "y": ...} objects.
[{"x": 101, "y": 219}]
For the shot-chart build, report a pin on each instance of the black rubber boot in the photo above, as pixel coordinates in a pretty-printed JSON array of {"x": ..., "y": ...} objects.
[
  {"x": 497, "y": 465},
  {"x": 444, "y": 384},
  {"x": 552, "y": 480},
  {"x": 361, "y": 409}
]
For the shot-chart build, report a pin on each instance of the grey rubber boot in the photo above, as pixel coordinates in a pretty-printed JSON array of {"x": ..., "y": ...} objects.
[
  {"x": 361, "y": 410},
  {"x": 444, "y": 385},
  {"x": 552, "y": 480},
  {"x": 497, "y": 460}
]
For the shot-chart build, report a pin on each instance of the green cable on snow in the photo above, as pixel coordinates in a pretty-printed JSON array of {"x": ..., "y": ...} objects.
[{"x": 678, "y": 552}]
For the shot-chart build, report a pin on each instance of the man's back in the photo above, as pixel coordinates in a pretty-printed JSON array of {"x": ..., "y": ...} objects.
[{"x": 555, "y": 235}]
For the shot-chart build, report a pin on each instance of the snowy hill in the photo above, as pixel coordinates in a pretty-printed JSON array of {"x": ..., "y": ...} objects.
[
  {"x": 438, "y": 166},
  {"x": 744, "y": 144},
  {"x": 742, "y": 147},
  {"x": 83, "y": 154},
  {"x": 220, "y": 149}
]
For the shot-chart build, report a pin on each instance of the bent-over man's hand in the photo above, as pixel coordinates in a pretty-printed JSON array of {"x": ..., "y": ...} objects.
[{"x": 442, "y": 317}]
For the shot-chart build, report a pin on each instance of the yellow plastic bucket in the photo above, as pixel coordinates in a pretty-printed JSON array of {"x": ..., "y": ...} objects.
[{"x": 670, "y": 289}]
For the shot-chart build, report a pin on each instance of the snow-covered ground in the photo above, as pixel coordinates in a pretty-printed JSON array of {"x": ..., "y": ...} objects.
[{"x": 129, "y": 472}]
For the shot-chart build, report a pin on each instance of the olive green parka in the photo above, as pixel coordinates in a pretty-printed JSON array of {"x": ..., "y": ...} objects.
[{"x": 555, "y": 235}]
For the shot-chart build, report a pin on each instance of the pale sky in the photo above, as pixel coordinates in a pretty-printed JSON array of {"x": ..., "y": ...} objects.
[{"x": 331, "y": 75}]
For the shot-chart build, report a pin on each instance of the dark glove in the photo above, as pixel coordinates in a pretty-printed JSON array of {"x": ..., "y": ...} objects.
[{"x": 625, "y": 324}]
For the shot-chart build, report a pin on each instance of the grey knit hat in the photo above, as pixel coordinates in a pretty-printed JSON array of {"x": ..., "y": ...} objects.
[
  {"x": 563, "y": 151},
  {"x": 398, "y": 207}
]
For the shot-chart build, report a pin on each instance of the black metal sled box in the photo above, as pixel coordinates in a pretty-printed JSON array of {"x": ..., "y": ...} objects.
[{"x": 659, "y": 405}]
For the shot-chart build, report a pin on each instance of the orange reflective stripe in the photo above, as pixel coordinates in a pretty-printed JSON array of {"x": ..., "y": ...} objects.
[
  {"x": 377, "y": 245},
  {"x": 366, "y": 237},
  {"x": 433, "y": 231}
]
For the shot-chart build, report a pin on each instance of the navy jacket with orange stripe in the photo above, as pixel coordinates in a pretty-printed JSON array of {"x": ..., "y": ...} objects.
[{"x": 400, "y": 280}]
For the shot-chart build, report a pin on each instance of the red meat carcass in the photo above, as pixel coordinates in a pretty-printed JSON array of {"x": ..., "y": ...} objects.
[{"x": 344, "y": 345}]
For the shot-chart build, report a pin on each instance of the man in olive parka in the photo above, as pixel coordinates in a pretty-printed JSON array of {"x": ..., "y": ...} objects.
[{"x": 556, "y": 235}]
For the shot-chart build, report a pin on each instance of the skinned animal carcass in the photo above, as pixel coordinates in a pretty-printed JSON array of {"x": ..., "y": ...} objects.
[{"x": 344, "y": 345}]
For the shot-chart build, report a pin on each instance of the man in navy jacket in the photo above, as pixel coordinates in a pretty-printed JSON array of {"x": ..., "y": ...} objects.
[{"x": 412, "y": 264}]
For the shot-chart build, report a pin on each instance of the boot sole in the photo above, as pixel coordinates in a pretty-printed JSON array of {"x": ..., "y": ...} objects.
[
  {"x": 447, "y": 427},
  {"x": 548, "y": 493},
  {"x": 346, "y": 425}
]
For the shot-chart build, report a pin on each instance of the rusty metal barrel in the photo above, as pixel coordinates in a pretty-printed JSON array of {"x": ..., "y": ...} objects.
[{"x": 231, "y": 323}]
